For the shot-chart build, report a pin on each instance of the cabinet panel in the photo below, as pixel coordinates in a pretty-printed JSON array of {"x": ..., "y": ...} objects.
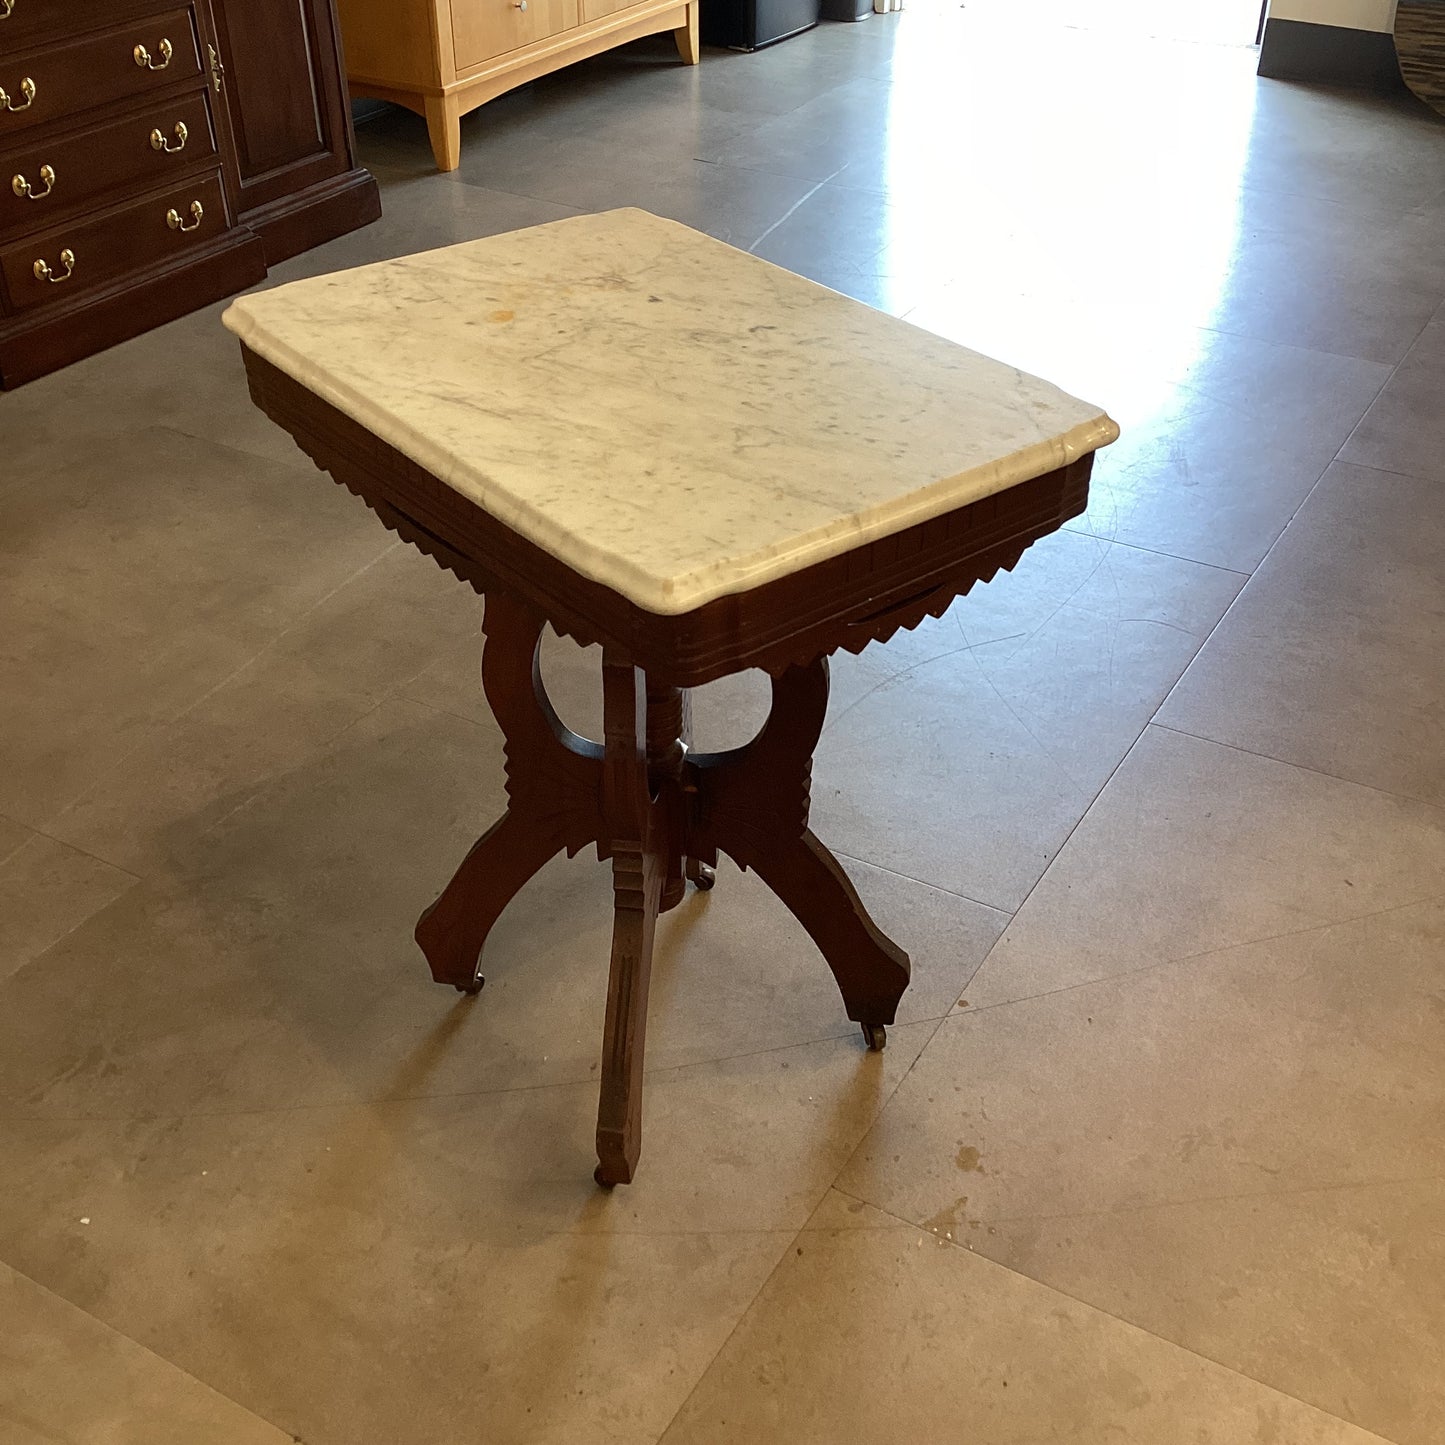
[
  {"x": 482, "y": 29},
  {"x": 284, "y": 96}
]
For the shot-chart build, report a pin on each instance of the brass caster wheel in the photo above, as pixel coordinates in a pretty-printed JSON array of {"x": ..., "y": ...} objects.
[
  {"x": 876, "y": 1037},
  {"x": 703, "y": 876},
  {"x": 471, "y": 989}
]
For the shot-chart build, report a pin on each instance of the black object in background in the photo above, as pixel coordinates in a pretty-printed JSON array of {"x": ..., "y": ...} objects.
[{"x": 751, "y": 24}]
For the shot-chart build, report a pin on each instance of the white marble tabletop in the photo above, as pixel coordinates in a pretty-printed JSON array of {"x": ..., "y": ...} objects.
[{"x": 667, "y": 415}]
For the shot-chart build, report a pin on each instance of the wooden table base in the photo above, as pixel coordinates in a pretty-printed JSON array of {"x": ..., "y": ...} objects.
[{"x": 662, "y": 814}]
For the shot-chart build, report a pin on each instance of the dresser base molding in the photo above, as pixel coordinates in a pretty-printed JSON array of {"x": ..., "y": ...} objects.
[
  {"x": 333, "y": 208},
  {"x": 443, "y": 106},
  {"x": 40, "y": 342}
]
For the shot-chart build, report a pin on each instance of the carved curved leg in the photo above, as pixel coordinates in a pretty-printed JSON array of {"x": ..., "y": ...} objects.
[
  {"x": 871, "y": 970},
  {"x": 554, "y": 784},
  {"x": 453, "y": 931},
  {"x": 638, "y": 865},
  {"x": 753, "y": 804}
]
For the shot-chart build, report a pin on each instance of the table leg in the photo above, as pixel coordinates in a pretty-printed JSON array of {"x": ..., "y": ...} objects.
[
  {"x": 661, "y": 814},
  {"x": 554, "y": 787},
  {"x": 753, "y": 804},
  {"x": 636, "y": 838},
  {"x": 669, "y": 737}
]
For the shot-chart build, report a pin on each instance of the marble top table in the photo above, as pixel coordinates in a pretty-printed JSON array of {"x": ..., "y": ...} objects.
[{"x": 703, "y": 463}]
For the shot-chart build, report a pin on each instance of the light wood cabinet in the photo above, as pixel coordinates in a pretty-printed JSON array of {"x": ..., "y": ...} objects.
[{"x": 443, "y": 58}]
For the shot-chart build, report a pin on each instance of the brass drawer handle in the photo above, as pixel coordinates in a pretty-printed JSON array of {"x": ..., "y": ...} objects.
[
  {"x": 174, "y": 221},
  {"x": 27, "y": 89},
  {"x": 21, "y": 186},
  {"x": 7, "y": 9},
  {"x": 218, "y": 71},
  {"x": 144, "y": 60},
  {"x": 160, "y": 143},
  {"x": 44, "y": 273}
]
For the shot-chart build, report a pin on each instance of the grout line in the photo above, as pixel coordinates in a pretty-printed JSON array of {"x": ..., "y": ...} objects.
[
  {"x": 1062, "y": 846},
  {"x": 109, "y": 1329},
  {"x": 1078, "y": 531},
  {"x": 1238, "y": 1197},
  {"x": 1119, "y": 1319},
  {"x": 1433, "y": 805},
  {"x": 1163, "y": 963},
  {"x": 925, "y": 883},
  {"x": 813, "y": 1209},
  {"x": 1263, "y": 561},
  {"x": 278, "y": 1111}
]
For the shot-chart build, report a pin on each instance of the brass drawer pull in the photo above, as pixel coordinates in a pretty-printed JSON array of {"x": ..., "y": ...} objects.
[
  {"x": 218, "y": 71},
  {"x": 27, "y": 89},
  {"x": 21, "y": 186},
  {"x": 7, "y": 9},
  {"x": 144, "y": 60},
  {"x": 160, "y": 143},
  {"x": 44, "y": 273},
  {"x": 174, "y": 221}
]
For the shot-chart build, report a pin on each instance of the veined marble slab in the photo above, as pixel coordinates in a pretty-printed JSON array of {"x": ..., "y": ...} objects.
[{"x": 667, "y": 415}]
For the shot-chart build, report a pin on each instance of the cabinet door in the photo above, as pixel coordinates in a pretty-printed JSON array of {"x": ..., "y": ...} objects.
[{"x": 282, "y": 86}]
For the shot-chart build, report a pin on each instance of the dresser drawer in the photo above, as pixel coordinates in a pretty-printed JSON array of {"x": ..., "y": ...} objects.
[
  {"x": 97, "y": 250},
  {"x": 128, "y": 60},
  {"x": 134, "y": 153},
  {"x": 34, "y": 22},
  {"x": 482, "y": 29}
]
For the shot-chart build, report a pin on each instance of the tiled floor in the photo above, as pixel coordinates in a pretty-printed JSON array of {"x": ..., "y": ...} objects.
[{"x": 1157, "y": 1151}]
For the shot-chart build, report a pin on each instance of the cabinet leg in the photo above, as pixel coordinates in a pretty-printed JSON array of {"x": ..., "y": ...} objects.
[
  {"x": 688, "y": 45},
  {"x": 444, "y": 128}
]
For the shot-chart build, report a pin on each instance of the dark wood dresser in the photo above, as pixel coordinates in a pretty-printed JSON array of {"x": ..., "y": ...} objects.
[{"x": 155, "y": 158}]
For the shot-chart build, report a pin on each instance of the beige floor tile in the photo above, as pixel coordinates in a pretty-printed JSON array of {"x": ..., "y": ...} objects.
[
  {"x": 355, "y": 1308},
  {"x": 1218, "y": 465},
  {"x": 871, "y": 1330},
  {"x": 280, "y": 1113},
  {"x": 1197, "y": 1121},
  {"x": 67, "y": 1377},
  {"x": 1194, "y": 847},
  {"x": 13, "y": 835},
  {"x": 281, "y": 1255},
  {"x": 1403, "y": 431},
  {"x": 275, "y": 966},
  {"x": 969, "y": 770},
  {"x": 1334, "y": 655},
  {"x": 138, "y": 577},
  {"x": 1334, "y": 1295},
  {"x": 46, "y": 890},
  {"x": 187, "y": 376},
  {"x": 336, "y": 663}
]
